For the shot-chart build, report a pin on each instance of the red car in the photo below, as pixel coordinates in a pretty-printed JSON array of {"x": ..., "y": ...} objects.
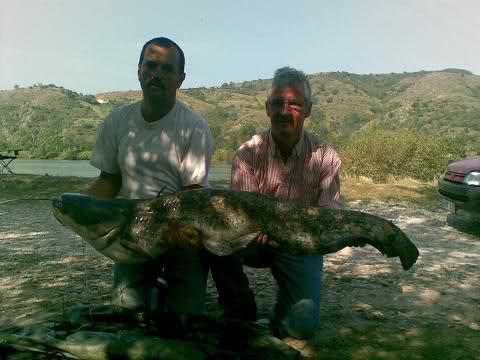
[{"x": 460, "y": 188}]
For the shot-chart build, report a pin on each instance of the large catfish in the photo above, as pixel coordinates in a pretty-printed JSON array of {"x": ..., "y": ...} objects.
[{"x": 223, "y": 222}]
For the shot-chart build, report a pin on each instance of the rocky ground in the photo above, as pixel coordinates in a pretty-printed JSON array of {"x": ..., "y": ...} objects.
[{"x": 371, "y": 308}]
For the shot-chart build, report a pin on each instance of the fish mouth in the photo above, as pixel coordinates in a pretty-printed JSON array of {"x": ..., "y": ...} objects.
[
  {"x": 99, "y": 237},
  {"x": 108, "y": 237}
]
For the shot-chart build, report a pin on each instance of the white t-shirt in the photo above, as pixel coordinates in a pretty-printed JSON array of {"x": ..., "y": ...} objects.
[{"x": 174, "y": 151}]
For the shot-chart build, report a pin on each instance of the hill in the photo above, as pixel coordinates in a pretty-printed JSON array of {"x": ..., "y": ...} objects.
[
  {"x": 443, "y": 103},
  {"x": 48, "y": 121}
]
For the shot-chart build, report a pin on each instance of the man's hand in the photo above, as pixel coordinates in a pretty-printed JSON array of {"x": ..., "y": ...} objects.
[
  {"x": 261, "y": 240},
  {"x": 105, "y": 186},
  {"x": 192, "y": 187}
]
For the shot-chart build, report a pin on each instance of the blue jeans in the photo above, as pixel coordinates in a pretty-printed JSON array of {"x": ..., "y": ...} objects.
[
  {"x": 185, "y": 272},
  {"x": 299, "y": 279}
]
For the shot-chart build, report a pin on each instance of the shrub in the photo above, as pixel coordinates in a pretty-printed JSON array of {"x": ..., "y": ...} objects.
[
  {"x": 380, "y": 154},
  {"x": 84, "y": 155},
  {"x": 223, "y": 155}
]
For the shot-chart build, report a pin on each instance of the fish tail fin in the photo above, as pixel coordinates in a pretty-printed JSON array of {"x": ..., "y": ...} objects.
[
  {"x": 407, "y": 251},
  {"x": 396, "y": 243}
]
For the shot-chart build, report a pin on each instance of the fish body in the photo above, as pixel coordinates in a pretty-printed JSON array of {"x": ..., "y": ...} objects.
[{"x": 223, "y": 222}]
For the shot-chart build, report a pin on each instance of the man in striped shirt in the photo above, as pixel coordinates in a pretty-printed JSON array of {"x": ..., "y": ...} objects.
[{"x": 289, "y": 163}]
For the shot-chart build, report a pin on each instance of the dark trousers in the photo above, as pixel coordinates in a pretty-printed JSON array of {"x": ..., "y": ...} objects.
[
  {"x": 185, "y": 272},
  {"x": 234, "y": 294}
]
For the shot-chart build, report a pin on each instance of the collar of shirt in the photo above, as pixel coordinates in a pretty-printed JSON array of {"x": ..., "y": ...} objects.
[{"x": 274, "y": 151}]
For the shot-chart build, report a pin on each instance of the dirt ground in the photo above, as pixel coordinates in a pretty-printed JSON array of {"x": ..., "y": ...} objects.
[{"x": 371, "y": 308}]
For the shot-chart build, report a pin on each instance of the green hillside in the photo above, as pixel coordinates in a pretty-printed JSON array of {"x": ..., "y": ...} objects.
[
  {"x": 49, "y": 122},
  {"x": 441, "y": 107}
]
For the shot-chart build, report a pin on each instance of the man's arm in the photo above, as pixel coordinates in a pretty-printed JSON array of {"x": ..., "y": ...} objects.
[
  {"x": 330, "y": 180},
  {"x": 243, "y": 177},
  {"x": 197, "y": 158},
  {"x": 192, "y": 187},
  {"x": 105, "y": 186}
]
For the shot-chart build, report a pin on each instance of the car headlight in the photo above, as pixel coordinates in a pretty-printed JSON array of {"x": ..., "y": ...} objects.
[{"x": 472, "y": 178}]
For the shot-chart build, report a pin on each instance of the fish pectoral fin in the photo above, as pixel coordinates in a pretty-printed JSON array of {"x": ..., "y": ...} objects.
[
  {"x": 181, "y": 236},
  {"x": 124, "y": 252},
  {"x": 242, "y": 241}
]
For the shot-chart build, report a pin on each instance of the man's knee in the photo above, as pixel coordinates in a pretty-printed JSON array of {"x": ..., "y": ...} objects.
[
  {"x": 128, "y": 298},
  {"x": 130, "y": 284},
  {"x": 303, "y": 319}
]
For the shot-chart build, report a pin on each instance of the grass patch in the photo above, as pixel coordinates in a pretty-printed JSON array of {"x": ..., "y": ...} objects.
[{"x": 396, "y": 191}]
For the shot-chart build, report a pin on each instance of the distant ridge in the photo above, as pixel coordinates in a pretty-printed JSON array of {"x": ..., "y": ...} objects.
[{"x": 49, "y": 121}]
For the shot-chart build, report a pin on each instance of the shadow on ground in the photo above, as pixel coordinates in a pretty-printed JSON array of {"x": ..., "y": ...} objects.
[
  {"x": 371, "y": 308},
  {"x": 463, "y": 225}
]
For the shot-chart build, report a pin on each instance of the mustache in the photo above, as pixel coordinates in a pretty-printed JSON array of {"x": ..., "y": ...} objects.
[
  {"x": 156, "y": 82},
  {"x": 283, "y": 118}
]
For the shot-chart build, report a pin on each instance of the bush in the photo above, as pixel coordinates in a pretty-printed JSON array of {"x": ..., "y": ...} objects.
[
  {"x": 223, "y": 155},
  {"x": 380, "y": 154},
  {"x": 75, "y": 154},
  {"x": 84, "y": 155}
]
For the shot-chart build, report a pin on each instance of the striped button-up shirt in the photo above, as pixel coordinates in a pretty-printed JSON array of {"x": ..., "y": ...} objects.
[{"x": 311, "y": 175}]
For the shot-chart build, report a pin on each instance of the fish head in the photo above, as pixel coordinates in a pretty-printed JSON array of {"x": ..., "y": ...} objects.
[
  {"x": 101, "y": 223},
  {"x": 90, "y": 218}
]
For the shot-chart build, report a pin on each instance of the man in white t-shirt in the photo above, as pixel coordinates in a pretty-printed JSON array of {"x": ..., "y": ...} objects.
[{"x": 141, "y": 148}]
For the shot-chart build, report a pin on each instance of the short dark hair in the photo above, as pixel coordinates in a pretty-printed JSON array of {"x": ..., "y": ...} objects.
[
  {"x": 164, "y": 42},
  {"x": 287, "y": 76}
]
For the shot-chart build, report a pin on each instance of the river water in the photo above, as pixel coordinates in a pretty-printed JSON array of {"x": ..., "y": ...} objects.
[{"x": 82, "y": 168}]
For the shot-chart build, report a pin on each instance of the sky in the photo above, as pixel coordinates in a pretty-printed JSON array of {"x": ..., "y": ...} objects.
[{"x": 92, "y": 46}]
